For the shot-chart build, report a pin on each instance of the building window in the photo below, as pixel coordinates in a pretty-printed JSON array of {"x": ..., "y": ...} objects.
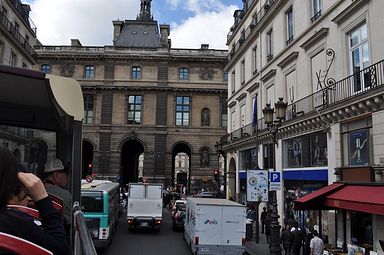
[
  {"x": 225, "y": 76},
  {"x": 359, "y": 55},
  {"x": 46, "y": 68},
  {"x": 268, "y": 151},
  {"x": 89, "y": 72},
  {"x": 316, "y": 8},
  {"x": 24, "y": 65},
  {"x": 88, "y": 109},
  {"x": 136, "y": 72},
  {"x": 269, "y": 45},
  {"x": 242, "y": 74},
  {"x": 12, "y": 59},
  {"x": 242, "y": 115},
  {"x": 306, "y": 151},
  {"x": 254, "y": 60},
  {"x": 289, "y": 17},
  {"x": 183, "y": 73},
  {"x": 224, "y": 112},
  {"x": 1, "y": 51},
  {"x": 134, "y": 109},
  {"x": 182, "y": 111},
  {"x": 233, "y": 80}
]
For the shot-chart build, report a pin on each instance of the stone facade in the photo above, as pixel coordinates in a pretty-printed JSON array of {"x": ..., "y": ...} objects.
[
  {"x": 157, "y": 75},
  {"x": 324, "y": 58}
]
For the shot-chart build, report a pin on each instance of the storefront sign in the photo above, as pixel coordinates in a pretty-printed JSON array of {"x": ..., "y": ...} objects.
[{"x": 257, "y": 185}]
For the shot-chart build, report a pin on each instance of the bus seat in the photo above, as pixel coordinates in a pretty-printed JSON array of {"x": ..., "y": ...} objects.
[
  {"x": 32, "y": 212},
  {"x": 57, "y": 202},
  {"x": 20, "y": 246}
]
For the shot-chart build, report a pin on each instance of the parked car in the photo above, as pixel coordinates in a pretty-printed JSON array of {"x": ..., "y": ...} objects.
[
  {"x": 178, "y": 217},
  {"x": 176, "y": 204}
]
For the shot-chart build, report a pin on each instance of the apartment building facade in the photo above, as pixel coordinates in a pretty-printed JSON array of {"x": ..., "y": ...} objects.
[
  {"x": 17, "y": 38},
  {"x": 324, "y": 58}
]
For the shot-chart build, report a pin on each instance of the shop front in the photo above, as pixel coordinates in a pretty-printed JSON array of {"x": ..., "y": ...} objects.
[{"x": 359, "y": 211}]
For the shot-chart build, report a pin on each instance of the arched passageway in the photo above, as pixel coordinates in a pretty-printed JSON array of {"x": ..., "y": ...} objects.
[
  {"x": 87, "y": 159},
  {"x": 181, "y": 161},
  {"x": 232, "y": 179},
  {"x": 129, "y": 168}
]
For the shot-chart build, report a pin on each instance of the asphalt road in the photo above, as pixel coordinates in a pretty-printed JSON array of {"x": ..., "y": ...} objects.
[{"x": 147, "y": 242}]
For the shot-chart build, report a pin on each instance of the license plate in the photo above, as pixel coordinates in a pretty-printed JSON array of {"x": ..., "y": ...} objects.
[{"x": 144, "y": 224}]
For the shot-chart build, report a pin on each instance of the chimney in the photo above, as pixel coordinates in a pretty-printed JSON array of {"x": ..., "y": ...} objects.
[
  {"x": 117, "y": 26},
  {"x": 204, "y": 46},
  {"x": 76, "y": 43},
  {"x": 164, "y": 33}
]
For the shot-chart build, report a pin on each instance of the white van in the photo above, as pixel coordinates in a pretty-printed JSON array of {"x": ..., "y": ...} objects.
[
  {"x": 215, "y": 226},
  {"x": 145, "y": 205}
]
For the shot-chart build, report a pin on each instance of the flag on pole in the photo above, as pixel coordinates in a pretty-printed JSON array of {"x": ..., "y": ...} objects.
[{"x": 254, "y": 121}]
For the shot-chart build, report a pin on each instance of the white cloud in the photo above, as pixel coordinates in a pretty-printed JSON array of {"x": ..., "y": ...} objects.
[
  {"x": 90, "y": 21},
  {"x": 87, "y": 20},
  {"x": 208, "y": 28},
  {"x": 173, "y": 4}
]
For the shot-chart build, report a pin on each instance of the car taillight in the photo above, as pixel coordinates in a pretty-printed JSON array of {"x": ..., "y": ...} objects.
[
  {"x": 243, "y": 241},
  {"x": 196, "y": 240}
]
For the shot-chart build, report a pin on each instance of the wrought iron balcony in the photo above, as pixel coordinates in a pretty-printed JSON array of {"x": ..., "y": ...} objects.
[
  {"x": 8, "y": 26},
  {"x": 332, "y": 93}
]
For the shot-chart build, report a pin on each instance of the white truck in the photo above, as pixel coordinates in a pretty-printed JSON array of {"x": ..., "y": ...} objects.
[
  {"x": 145, "y": 205},
  {"x": 215, "y": 226}
]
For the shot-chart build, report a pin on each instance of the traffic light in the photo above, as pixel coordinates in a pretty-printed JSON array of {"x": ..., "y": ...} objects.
[{"x": 216, "y": 175}]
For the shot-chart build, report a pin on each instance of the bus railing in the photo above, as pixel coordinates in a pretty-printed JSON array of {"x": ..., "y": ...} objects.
[{"x": 83, "y": 242}]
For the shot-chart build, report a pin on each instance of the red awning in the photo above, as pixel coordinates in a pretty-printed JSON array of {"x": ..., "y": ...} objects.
[
  {"x": 355, "y": 197},
  {"x": 312, "y": 201}
]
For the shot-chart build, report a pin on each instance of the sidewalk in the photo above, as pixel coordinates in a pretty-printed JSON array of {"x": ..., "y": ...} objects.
[{"x": 253, "y": 248}]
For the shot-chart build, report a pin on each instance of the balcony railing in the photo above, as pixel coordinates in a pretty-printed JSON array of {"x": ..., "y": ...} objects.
[
  {"x": 354, "y": 85},
  {"x": 4, "y": 22}
]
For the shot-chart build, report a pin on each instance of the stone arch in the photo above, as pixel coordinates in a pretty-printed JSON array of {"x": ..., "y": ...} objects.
[
  {"x": 87, "y": 158},
  {"x": 181, "y": 176},
  {"x": 232, "y": 178},
  {"x": 130, "y": 151}
]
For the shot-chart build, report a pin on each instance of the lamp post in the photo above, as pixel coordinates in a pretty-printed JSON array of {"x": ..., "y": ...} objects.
[{"x": 273, "y": 126}]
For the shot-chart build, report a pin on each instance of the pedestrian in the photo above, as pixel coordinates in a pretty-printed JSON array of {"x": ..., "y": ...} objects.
[
  {"x": 353, "y": 248},
  {"x": 267, "y": 221},
  {"x": 316, "y": 244},
  {"x": 307, "y": 239},
  {"x": 55, "y": 181},
  {"x": 296, "y": 239},
  {"x": 15, "y": 189},
  {"x": 251, "y": 213},
  {"x": 285, "y": 239},
  {"x": 262, "y": 219}
]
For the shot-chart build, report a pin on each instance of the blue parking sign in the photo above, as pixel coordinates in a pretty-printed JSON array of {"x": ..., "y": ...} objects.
[{"x": 275, "y": 177}]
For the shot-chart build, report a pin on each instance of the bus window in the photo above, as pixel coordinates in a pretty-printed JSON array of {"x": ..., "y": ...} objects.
[{"x": 92, "y": 202}]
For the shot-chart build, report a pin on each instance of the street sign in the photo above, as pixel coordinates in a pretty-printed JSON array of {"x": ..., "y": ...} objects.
[
  {"x": 257, "y": 185},
  {"x": 275, "y": 181}
]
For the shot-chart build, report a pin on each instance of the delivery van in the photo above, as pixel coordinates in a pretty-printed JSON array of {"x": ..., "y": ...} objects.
[{"x": 215, "y": 226}]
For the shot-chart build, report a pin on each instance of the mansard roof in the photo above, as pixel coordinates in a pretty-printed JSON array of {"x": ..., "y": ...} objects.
[{"x": 139, "y": 34}]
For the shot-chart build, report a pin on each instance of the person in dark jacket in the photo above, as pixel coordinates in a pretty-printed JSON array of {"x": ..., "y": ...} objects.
[
  {"x": 285, "y": 239},
  {"x": 262, "y": 219},
  {"x": 267, "y": 221},
  {"x": 15, "y": 188},
  {"x": 296, "y": 239}
]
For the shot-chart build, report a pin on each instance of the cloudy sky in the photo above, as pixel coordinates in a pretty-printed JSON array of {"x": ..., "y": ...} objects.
[{"x": 192, "y": 22}]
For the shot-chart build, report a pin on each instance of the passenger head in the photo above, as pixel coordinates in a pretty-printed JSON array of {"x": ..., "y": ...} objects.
[
  {"x": 314, "y": 232},
  {"x": 354, "y": 241},
  {"x": 10, "y": 187},
  {"x": 56, "y": 173}
]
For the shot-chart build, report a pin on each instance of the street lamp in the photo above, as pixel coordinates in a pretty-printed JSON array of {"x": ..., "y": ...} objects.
[{"x": 273, "y": 126}]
